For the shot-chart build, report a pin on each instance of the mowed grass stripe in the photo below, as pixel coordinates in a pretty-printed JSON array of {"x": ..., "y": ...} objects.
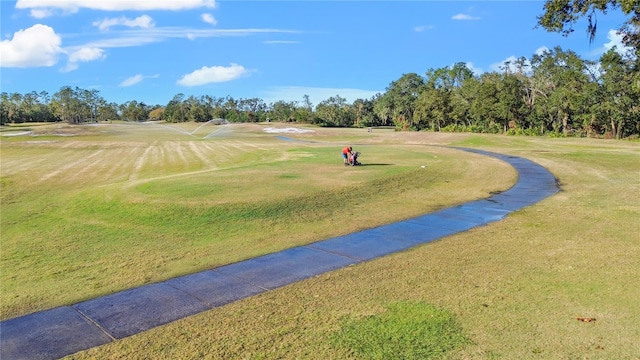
[
  {"x": 27, "y": 160},
  {"x": 118, "y": 171},
  {"x": 175, "y": 149},
  {"x": 65, "y": 243},
  {"x": 199, "y": 152}
]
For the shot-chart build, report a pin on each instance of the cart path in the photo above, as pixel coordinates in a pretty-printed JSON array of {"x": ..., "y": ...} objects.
[{"x": 65, "y": 330}]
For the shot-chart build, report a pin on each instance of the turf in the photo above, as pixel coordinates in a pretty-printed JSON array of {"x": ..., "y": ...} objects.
[
  {"x": 90, "y": 210},
  {"x": 518, "y": 288}
]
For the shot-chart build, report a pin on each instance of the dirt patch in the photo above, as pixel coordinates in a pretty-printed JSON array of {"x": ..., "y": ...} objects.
[
  {"x": 286, "y": 130},
  {"x": 20, "y": 133}
]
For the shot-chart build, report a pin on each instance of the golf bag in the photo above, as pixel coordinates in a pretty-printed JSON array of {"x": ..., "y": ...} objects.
[{"x": 353, "y": 160}]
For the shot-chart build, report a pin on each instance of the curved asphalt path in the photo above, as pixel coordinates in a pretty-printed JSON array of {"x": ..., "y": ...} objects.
[{"x": 62, "y": 331}]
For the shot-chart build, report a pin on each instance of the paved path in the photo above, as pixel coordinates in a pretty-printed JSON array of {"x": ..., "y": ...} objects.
[{"x": 62, "y": 331}]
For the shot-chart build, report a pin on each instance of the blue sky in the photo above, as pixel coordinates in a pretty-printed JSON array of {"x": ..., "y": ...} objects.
[{"x": 151, "y": 50}]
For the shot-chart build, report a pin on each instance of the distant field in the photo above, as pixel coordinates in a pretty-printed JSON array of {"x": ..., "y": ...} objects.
[{"x": 90, "y": 210}]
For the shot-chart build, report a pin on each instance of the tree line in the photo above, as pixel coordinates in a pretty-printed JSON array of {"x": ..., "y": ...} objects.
[{"x": 552, "y": 93}]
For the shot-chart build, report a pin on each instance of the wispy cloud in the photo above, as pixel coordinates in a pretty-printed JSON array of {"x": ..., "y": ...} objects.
[
  {"x": 130, "y": 81},
  {"x": 422, "y": 28},
  {"x": 138, "y": 37},
  {"x": 464, "y": 17},
  {"x": 120, "y": 42},
  {"x": 45, "y": 8},
  {"x": 213, "y": 74},
  {"x": 144, "y": 21},
  {"x": 145, "y": 36},
  {"x": 135, "y": 79}
]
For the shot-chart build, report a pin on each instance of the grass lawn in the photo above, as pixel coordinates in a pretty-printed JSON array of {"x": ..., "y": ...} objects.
[{"x": 90, "y": 210}]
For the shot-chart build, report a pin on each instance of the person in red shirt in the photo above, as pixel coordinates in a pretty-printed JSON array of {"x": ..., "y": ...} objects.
[{"x": 346, "y": 153}]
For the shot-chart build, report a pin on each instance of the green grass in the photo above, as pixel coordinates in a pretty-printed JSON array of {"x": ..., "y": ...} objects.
[
  {"x": 136, "y": 204},
  {"x": 514, "y": 288},
  {"x": 404, "y": 331}
]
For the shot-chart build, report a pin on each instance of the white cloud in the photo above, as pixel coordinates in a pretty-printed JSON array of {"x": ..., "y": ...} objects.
[
  {"x": 464, "y": 17},
  {"x": 476, "y": 71},
  {"x": 541, "y": 50},
  {"x": 316, "y": 95},
  {"x": 615, "y": 39},
  {"x": 41, "y": 13},
  {"x": 144, "y": 21},
  {"x": 130, "y": 81},
  {"x": 209, "y": 19},
  {"x": 47, "y": 7},
  {"x": 214, "y": 74},
  {"x": 87, "y": 54},
  {"x": 38, "y": 45},
  {"x": 84, "y": 54},
  {"x": 499, "y": 66}
]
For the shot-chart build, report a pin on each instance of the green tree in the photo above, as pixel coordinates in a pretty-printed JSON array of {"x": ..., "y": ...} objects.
[
  {"x": 511, "y": 102},
  {"x": 195, "y": 109},
  {"x": 433, "y": 109},
  {"x": 134, "y": 111},
  {"x": 363, "y": 113},
  {"x": 4, "y": 108},
  {"x": 401, "y": 98},
  {"x": 42, "y": 109},
  {"x": 617, "y": 110},
  {"x": 382, "y": 108},
  {"x": 90, "y": 100},
  {"x": 567, "y": 79},
  {"x": 283, "y": 111},
  {"x": 442, "y": 103},
  {"x": 16, "y": 114},
  {"x": 174, "y": 111},
  {"x": 334, "y": 112},
  {"x": 485, "y": 106},
  {"x": 561, "y": 15},
  {"x": 461, "y": 103},
  {"x": 232, "y": 112},
  {"x": 107, "y": 111},
  {"x": 66, "y": 105},
  {"x": 449, "y": 78},
  {"x": 254, "y": 109},
  {"x": 306, "y": 102}
]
